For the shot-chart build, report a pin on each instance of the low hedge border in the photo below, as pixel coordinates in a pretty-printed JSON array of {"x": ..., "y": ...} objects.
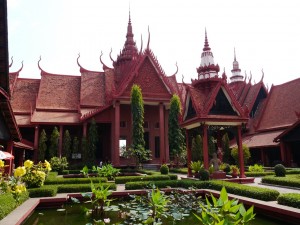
[
  {"x": 8, "y": 203},
  {"x": 69, "y": 188},
  {"x": 258, "y": 174},
  {"x": 292, "y": 171},
  {"x": 44, "y": 191},
  {"x": 125, "y": 179},
  {"x": 61, "y": 180},
  {"x": 289, "y": 199},
  {"x": 179, "y": 170},
  {"x": 289, "y": 181},
  {"x": 233, "y": 188}
]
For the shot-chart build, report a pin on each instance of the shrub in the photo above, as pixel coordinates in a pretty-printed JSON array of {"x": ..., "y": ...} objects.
[
  {"x": 173, "y": 176},
  {"x": 164, "y": 169},
  {"x": 235, "y": 154},
  {"x": 179, "y": 170},
  {"x": 75, "y": 180},
  {"x": 293, "y": 171},
  {"x": 45, "y": 191},
  {"x": 8, "y": 203},
  {"x": 123, "y": 180},
  {"x": 258, "y": 174},
  {"x": 196, "y": 166},
  {"x": 69, "y": 188},
  {"x": 290, "y": 180},
  {"x": 279, "y": 170},
  {"x": 59, "y": 164},
  {"x": 290, "y": 199},
  {"x": 256, "y": 168},
  {"x": 106, "y": 170},
  {"x": 204, "y": 175},
  {"x": 225, "y": 167}
]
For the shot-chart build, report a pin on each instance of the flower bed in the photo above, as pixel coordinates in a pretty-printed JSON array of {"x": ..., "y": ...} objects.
[
  {"x": 123, "y": 180},
  {"x": 8, "y": 203}
]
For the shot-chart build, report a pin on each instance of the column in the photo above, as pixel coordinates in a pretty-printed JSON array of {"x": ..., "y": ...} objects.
[
  {"x": 205, "y": 147},
  {"x": 167, "y": 136},
  {"x": 61, "y": 134},
  {"x": 84, "y": 132},
  {"x": 189, "y": 153},
  {"x": 36, "y": 144},
  {"x": 161, "y": 134},
  {"x": 116, "y": 150},
  {"x": 9, "y": 148},
  {"x": 241, "y": 153},
  {"x": 282, "y": 152}
]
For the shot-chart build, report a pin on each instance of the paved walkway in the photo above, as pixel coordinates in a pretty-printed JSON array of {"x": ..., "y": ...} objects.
[{"x": 16, "y": 216}]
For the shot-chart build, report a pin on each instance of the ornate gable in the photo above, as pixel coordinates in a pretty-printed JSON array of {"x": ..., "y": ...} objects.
[
  {"x": 221, "y": 105},
  {"x": 150, "y": 81}
]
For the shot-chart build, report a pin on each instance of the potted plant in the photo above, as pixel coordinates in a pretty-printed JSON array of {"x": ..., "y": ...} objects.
[
  {"x": 234, "y": 171},
  {"x": 196, "y": 167}
]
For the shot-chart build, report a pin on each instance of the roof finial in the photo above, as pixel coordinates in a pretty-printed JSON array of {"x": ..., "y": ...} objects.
[
  {"x": 206, "y": 45},
  {"x": 141, "y": 44},
  {"x": 42, "y": 71},
  {"x": 148, "y": 38},
  {"x": 234, "y": 55},
  {"x": 110, "y": 56},
  {"x": 176, "y": 70},
  {"x": 20, "y": 68},
  {"x": 105, "y": 67},
  {"x": 12, "y": 60},
  {"x": 262, "y": 76}
]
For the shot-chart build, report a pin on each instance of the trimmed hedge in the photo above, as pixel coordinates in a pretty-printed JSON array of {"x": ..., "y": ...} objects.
[
  {"x": 292, "y": 171},
  {"x": 233, "y": 188},
  {"x": 69, "y": 188},
  {"x": 179, "y": 170},
  {"x": 61, "y": 180},
  {"x": 289, "y": 199},
  {"x": 125, "y": 179},
  {"x": 258, "y": 174},
  {"x": 8, "y": 203},
  {"x": 52, "y": 175},
  {"x": 289, "y": 181},
  {"x": 44, "y": 191}
]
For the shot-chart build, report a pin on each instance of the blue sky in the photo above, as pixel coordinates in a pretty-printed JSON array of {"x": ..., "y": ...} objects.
[{"x": 266, "y": 34}]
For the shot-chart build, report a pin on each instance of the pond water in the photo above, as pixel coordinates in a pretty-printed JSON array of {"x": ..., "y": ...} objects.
[{"x": 73, "y": 215}]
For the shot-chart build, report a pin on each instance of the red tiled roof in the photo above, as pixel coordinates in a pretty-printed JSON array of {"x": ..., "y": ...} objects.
[
  {"x": 252, "y": 95},
  {"x": 92, "y": 91},
  {"x": 265, "y": 139},
  {"x": 24, "y": 144},
  {"x": 282, "y": 103},
  {"x": 59, "y": 92},
  {"x": 55, "y": 117},
  {"x": 23, "y": 119},
  {"x": 24, "y": 95}
]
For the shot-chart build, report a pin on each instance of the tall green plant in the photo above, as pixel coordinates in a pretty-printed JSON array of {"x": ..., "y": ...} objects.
[
  {"x": 84, "y": 148},
  {"x": 93, "y": 139},
  {"x": 54, "y": 143},
  {"x": 235, "y": 154},
  {"x": 137, "y": 110},
  {"x": 211, "y": 146},
  {"x": 197, "y": 148},
  {"x": 42, "y": 145},
  {"x": 75, "y": 145},
  {"x": 226, "y": 148},
  {"x": 67, "y": 142},
  {"x": 176, "y": 138}
]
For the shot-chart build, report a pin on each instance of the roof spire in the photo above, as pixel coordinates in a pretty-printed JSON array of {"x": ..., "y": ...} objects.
[
  {"x": 236, "y": 71},
  {"x": 206, "y": 45},
  {"x": 234, "y": 55}
]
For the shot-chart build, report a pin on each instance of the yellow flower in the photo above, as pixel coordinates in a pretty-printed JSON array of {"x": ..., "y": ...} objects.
[
  {"x": 20, "y": 171},
  {"x": 28, "y": 164},
  {"x": 1, "y": 163},
  {"x": 47, "y": 165}
]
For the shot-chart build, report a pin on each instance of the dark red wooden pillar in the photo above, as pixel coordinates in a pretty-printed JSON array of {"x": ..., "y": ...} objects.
[
  {"x": 116, "y": 151},
  {"x": 205, "y": 147},
  {"x": 161, "y": 134},
  {"x": 84, "y": 132},
  {"x": 263, "y": 156},
  {"x": 282, "y": 153},
  {"x": 166, "y": 135},
  {"x": 61, "y": 134},
  {"x": 241, "y": 153},
  {"x": 189, "y": 153},
  {"x": 36, "y": 144}
]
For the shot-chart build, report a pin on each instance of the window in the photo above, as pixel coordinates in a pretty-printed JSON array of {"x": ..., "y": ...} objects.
[{"x": 123, "y": 124}]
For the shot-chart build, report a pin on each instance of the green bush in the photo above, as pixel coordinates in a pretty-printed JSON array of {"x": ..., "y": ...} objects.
[
  {"x": 279, "y": 170},
  {"x": 204, "y": 175},
  {"x": 233, "y": 188},
  {"x": 45, "y": 191},
  {"x": 164, "y": 169},
  {"x": 256, "y": 168},
  {"x": 173, "y": 176},
  {"x": 69, "y": 188},
  {"x": 235, "y": 154},
  {"x": 258, "y": 174},
  {"x": 125, "y": 179},
  {"x": 289, "y": 199},
  {"x": 293, "y": 171},
  {"x": 8, "y": 203},
  {"x": 290, "y": 180},
  {"x": 61, "y": 180},
  {"x": 58, "y": 164}
]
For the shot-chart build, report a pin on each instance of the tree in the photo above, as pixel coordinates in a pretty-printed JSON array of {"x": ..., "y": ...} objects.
[
  {"x": 75, "y": 145},
  {"x": 176, "y": 138},
  {"x": 67, "y": 142},
  {"x": 197, "y": 148},
  {"x": 137, "y": 110},
  {"x": 226, "y": 149},
  {"x": 211, "y": 145},
  {"x": 84, "y": 149},
  {"x": 137, "y": 149},
  {"x": 53, "y": 143},
  {"x": 42, "y": 145},
  {"x": 235, "y": 154},
  {"x": 93, "y": 139}
]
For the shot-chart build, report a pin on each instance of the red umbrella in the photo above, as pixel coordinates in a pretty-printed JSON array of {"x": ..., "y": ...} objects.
[{"x": 6, "y": 155}]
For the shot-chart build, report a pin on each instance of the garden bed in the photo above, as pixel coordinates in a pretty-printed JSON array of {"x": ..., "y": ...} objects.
[{"x": 288, "y": 181}]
